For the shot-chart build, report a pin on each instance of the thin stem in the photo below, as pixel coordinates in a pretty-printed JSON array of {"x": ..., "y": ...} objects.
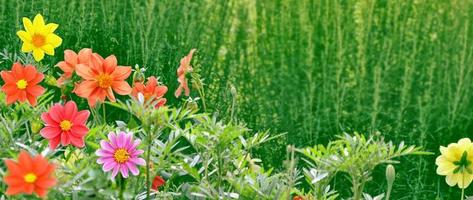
[
  {"x": 463, "y": 189},
  {"x": 148, "y": 156},
  {"x": 103, "y": 110},
  {"x": 463, "y": 194},
  {"x": 122, "y": 187}
]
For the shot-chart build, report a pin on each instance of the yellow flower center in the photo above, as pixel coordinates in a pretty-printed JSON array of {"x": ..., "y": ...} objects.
[
  {"x": 121, "y": 155},
  {"x": 65, "y": 125},
  {"x": 105, "y": 81},
  {"x": 38, "y": 40},
  {"x": 21, "y": 84},
  {"x": 30, "y": 178}
]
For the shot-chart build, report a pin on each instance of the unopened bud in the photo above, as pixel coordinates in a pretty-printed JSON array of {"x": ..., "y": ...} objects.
[
  {"x": 36, "y": 126},
  {"x": 50, "y": 80},
  {"x": 390, "y": 175}
]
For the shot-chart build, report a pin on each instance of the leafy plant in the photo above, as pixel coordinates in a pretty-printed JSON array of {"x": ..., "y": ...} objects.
[{"x": 354, "y": 155}]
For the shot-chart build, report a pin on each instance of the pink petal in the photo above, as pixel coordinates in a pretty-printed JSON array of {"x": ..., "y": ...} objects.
[
  {"x": 113, "y": 139},
  {"x": 77, "y": 141},
  {"x": 103, "y": 153},
  {"x": 81, "y": 117},
  {"x": 79, "y": 130},
  {"x": 136, "y": 152},
  {"x": 138, "y": 161},
  {"x": 54, "y": 142},
  {"x": 48, "y": 120},
  {"x": 103, "y": 160},
  {"x": 115, "y": 171},
  {"x": 132, "y": 167},
  {"x": 56, "y": 112},
  {"x": 135, "y": 144},
  {"x": 70, "y": 110},
  {"x": 121, "y": 140},
  {"x": 65, "y": 139},
  {"x": 106, "y": 146},
  {"x": 109, "y": 166},
  {"x": 50, "y": 132},
  {"x": 124, "y": 171}
]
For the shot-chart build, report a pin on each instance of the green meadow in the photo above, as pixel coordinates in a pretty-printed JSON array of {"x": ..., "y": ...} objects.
[{"x": 311, "y": 69}]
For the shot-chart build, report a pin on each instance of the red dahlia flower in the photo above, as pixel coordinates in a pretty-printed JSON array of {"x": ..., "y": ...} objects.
[{"x": 65, "y": 124}]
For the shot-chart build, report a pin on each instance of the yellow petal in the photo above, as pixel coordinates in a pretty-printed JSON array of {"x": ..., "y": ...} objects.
[
  {"x": 38, "y": 22},
  {"x": 27, "y": 47},
  {"x": 24, "y": 36},
  {"x": 50, "y": 28},
  {"x": 452, "y": 179},
  {"x": 53, "y": 40},
  {"x": 38, "y": 54},
  {"x": 444, "y": 166},
  {"x": 465, "y": 180},
  {"x": 28, "y": 25},
  {"x": 48, "y": 49}
]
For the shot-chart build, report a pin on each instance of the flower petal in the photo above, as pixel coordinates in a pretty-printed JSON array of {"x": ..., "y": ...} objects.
[
  {"x": 50, "y": 132},
  {"x": 53, "y": 40},
  {"x": 121, "y": 87},
  {"x": 38, "y": 54}
]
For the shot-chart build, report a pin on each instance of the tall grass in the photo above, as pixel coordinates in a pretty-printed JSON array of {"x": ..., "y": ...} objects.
[{"x": 309, "y": 68}]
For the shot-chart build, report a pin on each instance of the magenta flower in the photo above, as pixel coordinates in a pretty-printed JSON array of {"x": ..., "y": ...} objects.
[{"x": 120, "y": 154}]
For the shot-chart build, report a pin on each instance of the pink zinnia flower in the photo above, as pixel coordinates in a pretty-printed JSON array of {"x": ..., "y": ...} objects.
[
  {"x": 183, "y": 69},
  {"x": 120, "y": 154},
  {"x": 65, "y": 124}
]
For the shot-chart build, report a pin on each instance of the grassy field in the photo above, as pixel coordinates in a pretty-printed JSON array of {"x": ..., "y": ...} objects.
[{"x": 310, "y": 68}]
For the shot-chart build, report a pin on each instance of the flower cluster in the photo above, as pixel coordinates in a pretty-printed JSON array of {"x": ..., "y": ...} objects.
[{"x": 93, "y": 78}]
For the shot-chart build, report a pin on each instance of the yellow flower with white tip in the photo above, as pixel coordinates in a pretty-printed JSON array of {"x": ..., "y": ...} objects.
[
  {"x": 39, "y": 37},
  {"x": 456, "y": 162}
]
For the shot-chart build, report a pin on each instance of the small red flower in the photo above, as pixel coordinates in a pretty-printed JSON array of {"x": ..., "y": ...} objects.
[
  {"x": 297, "y": 197},
  {"x": 151, "y": 90},
  {"x": 21, "y": 84},
  {"x": 65, "y": 124},
  {"x": 29, "y": 175},
  {"x": 158, "y": 181},
  {"x": 183, "y": 69}
]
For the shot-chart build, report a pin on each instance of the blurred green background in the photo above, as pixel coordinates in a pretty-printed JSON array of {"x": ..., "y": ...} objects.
[{"x": 310, "y": 68}]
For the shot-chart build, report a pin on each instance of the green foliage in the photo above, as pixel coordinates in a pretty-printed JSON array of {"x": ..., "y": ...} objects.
[{"x": 356, "y": 156}]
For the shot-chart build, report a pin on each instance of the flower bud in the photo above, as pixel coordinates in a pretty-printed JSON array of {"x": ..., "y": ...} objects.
[
  {"x": 390, "y": 175},
  {"x": 50, "y": 80},
  {"x": 36, "y": 126}
]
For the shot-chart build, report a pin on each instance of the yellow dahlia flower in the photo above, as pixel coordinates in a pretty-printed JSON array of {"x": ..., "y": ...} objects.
[
  {"x": 456, "y": 162},
  {"x": 39, "y": 37}
]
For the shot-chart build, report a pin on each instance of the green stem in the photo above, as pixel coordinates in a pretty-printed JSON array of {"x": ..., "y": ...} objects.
[
  {"x": 122, "y": 187},
  {"x": 148, "y": 156},
  {"x": 463, "y": 189},
  {"x": 103, "y": 110}
]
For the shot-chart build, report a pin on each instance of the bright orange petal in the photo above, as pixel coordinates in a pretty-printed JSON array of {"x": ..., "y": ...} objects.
[
  {"x": 110, "y": 64},
  {"x": 39, "y": 77},
  {"x": 70, "y": 57},
  {"x": 85, "y": 88},
  {"x": 121, "y": 87},
  {"x": 84, "y": 71},
  {"x": 121, "y": 73},
  {"x": 17, "y": 70},
  {"x": 8, "y": 77},
  {"x": 29, "y": 72}
]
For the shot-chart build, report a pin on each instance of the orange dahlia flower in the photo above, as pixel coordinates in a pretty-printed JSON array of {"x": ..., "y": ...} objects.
[
  {"x": 183, "y": 69},
  {"x": 21, "y": 83},
  {"x": 100, "y": 78},
  {"x": 71, "y": 60},
  {"x": 152, "y": 91},
  {"x": 29, "y": 174}
]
